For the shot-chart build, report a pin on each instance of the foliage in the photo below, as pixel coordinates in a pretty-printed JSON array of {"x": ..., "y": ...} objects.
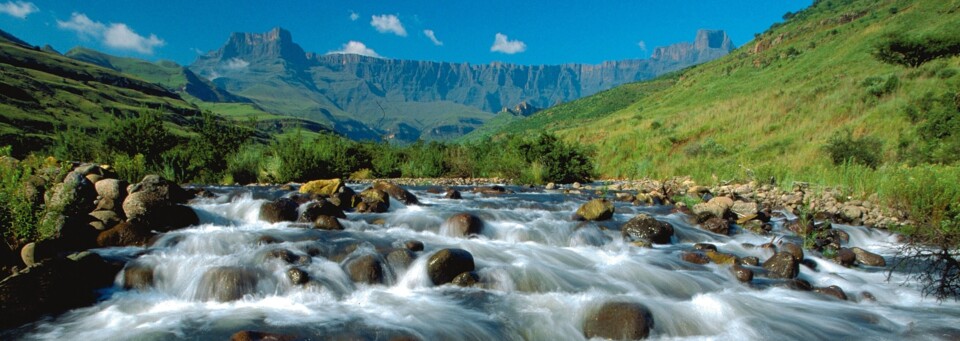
[
  {"x": 844, "y": 148},
  {"x": 142, "y": 133},
  {"x": 913, "y": 51},
  {"x": 244, "y": 166},
  {"x": 880, "y": 86},
  {"x": 130, "y": 169}
]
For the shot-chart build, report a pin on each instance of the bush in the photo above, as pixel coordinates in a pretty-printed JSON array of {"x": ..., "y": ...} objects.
[
  {"x": 844, "y": 148},
  {"x": 244, "y": 166},
  {"x": 880, "y": 86},
  {"x": 130, "y": 169},
  {"x": 913, "y": 51},
  {"x": 143, "y": 134}
]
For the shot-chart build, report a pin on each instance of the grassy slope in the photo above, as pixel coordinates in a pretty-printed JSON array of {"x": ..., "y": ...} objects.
[{"x": 766, "y": 113}]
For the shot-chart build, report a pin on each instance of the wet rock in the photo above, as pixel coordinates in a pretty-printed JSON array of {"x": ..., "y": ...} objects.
[
  {"x": 249, "y": 335},
  {"x": 52, "y": 287},
  {"x": 721, "y": 258},
  {"x": 550, "y": 186},
  {"x": 137, "y": 276},
  {"x": 749, "y": 260},
  {"x": 619, "y": 321},
  {"x": 466, "y": 279},
  {"x": 595, "y": 210},
  {"x": 868, "y": 258},
  {"x": 694, "y": 257},
  {"x": 643, "y": 226},
  {"x": 125, "y": 234},
  {"x": 716, "y": 225},
  {"x": 845, "y": 257},
  {"x": 704, "y": 247},
  {"x": 298, "y": 276},
  {"x": 492, "y": 190},
  {"x": 397, "y": 192},
  {"x": 446, "y": 264},
  {"x": 400, "y": 259},
  {"x": 782, "y": 265},
  {"x": 463, "y": 225},
  {"x": 151, "y": 193},
  {"x": 320, "y": 207},
  {"x": 833, "y": 291},
  {"x": 793, "y": 249},
  {"x": 741, "y": 273},
  {"x": 326, "y": 222},
  {"x": 324, "y": 188},
  {"x": 111, "y": 193},
  {"x": 413, "y": 245},
  {"x": 227, "y": 283},
  {"x": 282, "y": 209},
  {"x": 170, "y": 218},
  {"x": 809, "y": 263},
  {"x": 452, "y": 194},
  {"x": 757, "y": 227},
  {"x": 365, "y": 269},
  {"x": 373, "y": 200}
]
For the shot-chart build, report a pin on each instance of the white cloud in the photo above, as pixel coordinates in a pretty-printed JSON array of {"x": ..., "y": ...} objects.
[
  {"x": 433, "y": 37},
  {"x": 388, "y": 23},
  {"x": 116, "y": 35},
  {"x": 354, "y": 16},
  {"x": 356, "y": 47},
  {"x": 236, "y": 63},
  {"x": 503, "y": 44},
  {"x": 643, "y": 45},
  {"x": 18, "y": 9}
]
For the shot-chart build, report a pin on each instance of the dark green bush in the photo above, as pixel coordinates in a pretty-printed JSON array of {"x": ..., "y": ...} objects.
[
  {"x": 844, "y": 148},
  {"x": 913, "y": 51}
]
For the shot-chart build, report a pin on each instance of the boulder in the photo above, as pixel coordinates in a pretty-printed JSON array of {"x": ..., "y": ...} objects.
[
  {"x": 170, "y": 218},
  {"x": 326, "y": 222},
  {"x": 492, "y": 190},
  {"x": 741, "y": 273},
  {"x": 400, "y": 259},
  {"x": 251, "y": 335},
  {"x": 832, "y": 291},
  {"x": 463, "y": 225},
  {"x": 704, "y": 247},
  {"x": 595, "y": 210},
  {"x": 112, "y": 193},
  {"x": 153, "y": 192},
  {"x": 323, "y": 188},
  {"x": 716, "y": 225},
  {"x": 413, "y": 245},
  {"x": 373, "y": 200},
  {"x": 227, "y": 283},
  {"x": 643, "y": 226},
  {"x": 282, "y": 209},
  {"x": 446, "y": 264},
  {"x": 694, "y": 257},
  {"x": 711, "y": 208},
  {"x": 137, "y": 276},
  {"x": 452, "y": 194},
  {"x": 744, "y": 209},
  {"x": 721, "y": 258},
  {"x": 868, "y": 258},
  {"x": 125, "y": 234},
  {"x": 845, "y": 257},
  {"x": 106, "y": 218},
  {"x": 749, "y": 260},
  {"x": 397, "y": 192},
  {"x": 54, "y": 286},
  {"x": 619, "y": 321},
  {"x": 298, "y": 276},
  {"x": 466, "y": 279},
  {"x": 365, "y": 269},
  {"x": 782, "y": 265},
  {"x": 793, "y": 249},
  {"x": 320, "y": 207},
  {"x": 73, "y": 197}
]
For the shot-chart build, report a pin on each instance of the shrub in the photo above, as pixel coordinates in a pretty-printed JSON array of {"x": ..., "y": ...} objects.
[
  {"x": 244, "y": 166},
  {"x": 844, "y": 148},
  {"x": 142, "y": 133},
  {"x": 130, "y": 169},
  {"x": 880, "y": 86}
]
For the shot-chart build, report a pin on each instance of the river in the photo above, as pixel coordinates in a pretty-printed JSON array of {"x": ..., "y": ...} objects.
[{"x": 540, "y": 274}]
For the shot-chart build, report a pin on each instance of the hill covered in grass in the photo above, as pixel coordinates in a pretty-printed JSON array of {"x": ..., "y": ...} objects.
[{"x": 772, "y": 107}]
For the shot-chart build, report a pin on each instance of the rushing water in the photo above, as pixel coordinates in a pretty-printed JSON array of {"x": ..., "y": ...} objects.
[{"x": 540, "y": 274}]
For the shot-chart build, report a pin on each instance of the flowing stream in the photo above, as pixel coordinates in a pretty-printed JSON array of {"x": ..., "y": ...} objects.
[{"x": 540, "y": 274}]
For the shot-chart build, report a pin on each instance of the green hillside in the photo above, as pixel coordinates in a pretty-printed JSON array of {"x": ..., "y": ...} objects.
[{"x": 770, "y": 107}]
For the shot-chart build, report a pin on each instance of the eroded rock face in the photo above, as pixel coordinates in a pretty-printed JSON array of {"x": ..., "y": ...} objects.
[
  {"x": 619, "y": 321},
  {"x": 447, "y": 264},
  {"x": 645, "y": 227},
  {"x": 595, "y": 210}
]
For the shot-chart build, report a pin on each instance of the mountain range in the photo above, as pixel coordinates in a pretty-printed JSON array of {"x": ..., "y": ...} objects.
[{"x": 373, "y": 98}]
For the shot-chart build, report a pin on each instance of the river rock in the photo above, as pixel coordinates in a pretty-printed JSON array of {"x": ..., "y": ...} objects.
[
  {"x": 694, "y": 257},
  {"x": 466, "y": 279},
  {"x": 400, "y": 259},
  {"x": 782, "y": 265},
  {"x": 704, "y": 247},
  {"x": 173, "y": 217},
  {"x": 125, "y": 234},
  {"x": 373, "y": 200},
  {"x": 137, "y": 276},
  {"x": 397, "y": 192},
  {"x": 793, "y": 249},
  {"x": 73, "y": 197},
  {"x": 53, "y": 287},
  {"x": 643, "y": 226},
  {"x": 413, "y": 245},
  {"x": 324, "y": 188},
  {"x": 619, "y": 321},
  {"x": 227, "y": 283},
  {"x": 868, "y": 258},
  {"x": 365, "y": 269},
  {"x": 595, "y": 210},
  {"x": 833, "y": 291},
  {"x": 721, "y": 258},
  {"x": 320, "y": 207},
  {"x": 251, "y": 335},
  {"x": 298, "y": 276},
  {"x": 111, "y": 194},
  {"x": 716, "y": 225},
  {"x": 744, "y": 209},
  {"x": 106, "y": 218},
  {"x": 282, "y": 209},
  {"x": 326, "y": 222},
  {"x": 749, "y": 260},
  {"x": 446, "y": 264},
  {"x": 452, "y": 194},
  {"x": 709, "y": 208},
  {"x": 463, "y": 225},
  {"x": 153, "y": 192},
  {"x": 741, "y": 273},
  {"x": 845, "y": 257}
]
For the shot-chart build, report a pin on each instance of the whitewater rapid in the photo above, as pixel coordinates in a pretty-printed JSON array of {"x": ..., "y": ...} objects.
[{"x": 540, "y": 273}]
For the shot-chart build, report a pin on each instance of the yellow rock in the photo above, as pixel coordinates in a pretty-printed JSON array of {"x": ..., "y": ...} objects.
[
  {"x": 322, "y": 187},
  {"x": 721, "y": 258}
]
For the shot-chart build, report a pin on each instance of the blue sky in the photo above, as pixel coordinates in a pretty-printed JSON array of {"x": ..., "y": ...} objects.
[{"x": 479, "y": 32}]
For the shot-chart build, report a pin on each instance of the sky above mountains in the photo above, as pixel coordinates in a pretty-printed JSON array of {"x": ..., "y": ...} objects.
[{"x": 479, "y": 32}]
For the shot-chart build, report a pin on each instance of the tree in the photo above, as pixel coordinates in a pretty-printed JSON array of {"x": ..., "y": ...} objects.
[{"x": 913, "y": 51}]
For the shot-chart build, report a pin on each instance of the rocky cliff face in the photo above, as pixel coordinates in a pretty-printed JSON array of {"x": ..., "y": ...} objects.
[{"x": 382, "y": 93}]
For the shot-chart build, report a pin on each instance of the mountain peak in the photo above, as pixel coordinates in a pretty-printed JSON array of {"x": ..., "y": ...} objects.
[
  {"x": 713, "y": 39},
  {"x": 274, "y": 44},
  {"x": 708, "y": 45}
]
